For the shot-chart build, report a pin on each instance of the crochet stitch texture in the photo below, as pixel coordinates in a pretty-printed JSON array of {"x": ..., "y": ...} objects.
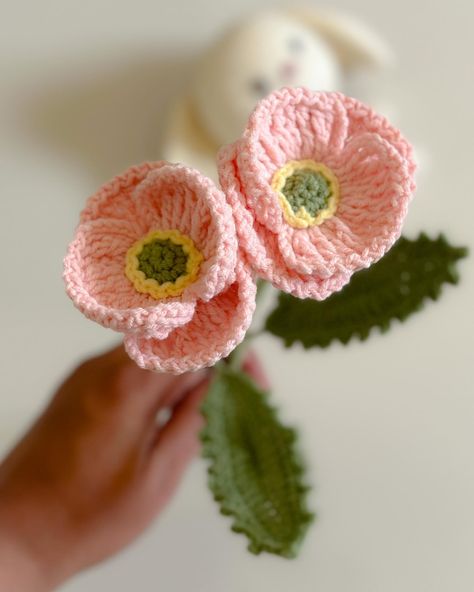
[
  {"x": 163, "y": 263},
  {"x": 210, "y": 316},
  {"x": 316, "y": 189},
  {"x": 374, "y": 167}
]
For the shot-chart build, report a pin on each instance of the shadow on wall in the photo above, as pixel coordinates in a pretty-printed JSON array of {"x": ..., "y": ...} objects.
[{"x": 111, "y": 119}]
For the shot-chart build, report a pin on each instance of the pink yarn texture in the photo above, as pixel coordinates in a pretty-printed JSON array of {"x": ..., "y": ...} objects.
[
  {"x": 316, "y": 188},
  {"x": 214, "y": 331},
  {"x": 375, "y": 168},
  {"x": 174, "y": 334}
]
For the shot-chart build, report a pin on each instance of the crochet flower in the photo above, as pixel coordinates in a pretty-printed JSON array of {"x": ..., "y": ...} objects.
[
  {"x": 155, "y": 257},
  {"x": 216, "y": 328},
  {"x": 319, "y": 185}
]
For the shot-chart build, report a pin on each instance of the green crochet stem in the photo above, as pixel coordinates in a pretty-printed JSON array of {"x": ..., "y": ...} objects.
[
  {"x": 162, "y": 260},
  {"x": 308, "y": 189}
]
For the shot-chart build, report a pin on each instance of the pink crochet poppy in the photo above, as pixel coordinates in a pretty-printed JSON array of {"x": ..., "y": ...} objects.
[
  {"x": 319, "y": 185},
  {"x": 216, "y": 328},
  {"x": 156, "y": 250}
]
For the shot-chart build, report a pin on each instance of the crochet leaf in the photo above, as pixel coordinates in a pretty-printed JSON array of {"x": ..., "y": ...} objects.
[
  {"x": 255, "y": 474},
  {"x": 393, "y": 288}
]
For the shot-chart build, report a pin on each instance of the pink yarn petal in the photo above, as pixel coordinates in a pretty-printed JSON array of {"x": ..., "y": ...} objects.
[
  {"x": 217, "y": 327},
  {"x": 375, "y": 192},
  {"x": 96, "y": 282},
  {"x": 290, "y": 124},
  {"x": 276, "y": 270},
  {"x": 374, "y": 166},
  {"x": 177, "y": 197},
  {"x": 113, "y": 199},
  {"x": 309, "y": 253},
  {"x": 364, "y": 119},
  {"x": 250, "y": 232},
  {"x": 310, "y": 286},
  {"x": 294, "y": 123},
  {"x": 266, "y": 251},
  {"x": 376, "y": 188}
]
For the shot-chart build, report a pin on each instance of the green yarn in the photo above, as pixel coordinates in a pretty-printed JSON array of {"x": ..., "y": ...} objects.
[
  {"x": 393, "y": 288},
  {"x": 255, "y": 472},
  {"x": 162, "y": 260},
  {"x": 308, "y": 189}
]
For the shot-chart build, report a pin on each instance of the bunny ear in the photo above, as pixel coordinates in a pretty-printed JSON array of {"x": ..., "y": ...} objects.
[{"x": 354, "y": 42}]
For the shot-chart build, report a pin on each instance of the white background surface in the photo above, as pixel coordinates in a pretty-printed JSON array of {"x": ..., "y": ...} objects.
[{"x": 387, "y": 425}]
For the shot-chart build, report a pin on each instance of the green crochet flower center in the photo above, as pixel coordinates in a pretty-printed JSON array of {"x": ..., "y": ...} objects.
[
  {"x": 162, "y": 260},
  {"x": 307, "y": 189}
]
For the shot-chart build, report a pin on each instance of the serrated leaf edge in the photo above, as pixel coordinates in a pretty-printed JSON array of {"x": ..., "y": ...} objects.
[
  {"x": 452, "y": 277},
  {"x": 307, "y": 517}
]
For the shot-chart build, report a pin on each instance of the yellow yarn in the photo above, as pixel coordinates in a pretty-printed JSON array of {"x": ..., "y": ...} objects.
[
  {"x": 151, "y": 286},
  {"x": 302, "y": 218}
]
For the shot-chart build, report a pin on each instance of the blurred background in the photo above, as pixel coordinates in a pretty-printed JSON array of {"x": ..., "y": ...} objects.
[{"x": 88, "y": 89}]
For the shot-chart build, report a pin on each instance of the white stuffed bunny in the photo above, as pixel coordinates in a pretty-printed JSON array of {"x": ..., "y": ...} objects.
[{"x": 272, "y": 50}]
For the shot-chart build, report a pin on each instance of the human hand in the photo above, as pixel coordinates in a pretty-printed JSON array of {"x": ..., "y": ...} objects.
[{"x": 94, "y": 470}]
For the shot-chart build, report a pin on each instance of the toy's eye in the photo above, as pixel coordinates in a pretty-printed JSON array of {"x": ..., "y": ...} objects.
[
  {"x": 296, "y": 44},
  {"x": 260, "y": 87}
]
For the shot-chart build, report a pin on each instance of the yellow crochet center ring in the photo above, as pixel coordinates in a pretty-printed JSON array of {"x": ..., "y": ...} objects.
[
  {"x": 308, "y": 192},
  {"x": 163, "y": 263}
]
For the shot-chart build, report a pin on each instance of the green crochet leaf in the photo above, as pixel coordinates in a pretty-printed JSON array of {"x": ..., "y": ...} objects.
[
  {"x": 393, "y": 288},
  {"x": 255, "y": 473}
]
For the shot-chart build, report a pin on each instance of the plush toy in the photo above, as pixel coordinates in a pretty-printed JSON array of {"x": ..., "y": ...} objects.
[{"x": 293, "y": 48}]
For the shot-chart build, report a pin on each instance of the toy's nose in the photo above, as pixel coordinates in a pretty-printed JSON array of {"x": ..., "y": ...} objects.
[{"x": 288, "y": 71}]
